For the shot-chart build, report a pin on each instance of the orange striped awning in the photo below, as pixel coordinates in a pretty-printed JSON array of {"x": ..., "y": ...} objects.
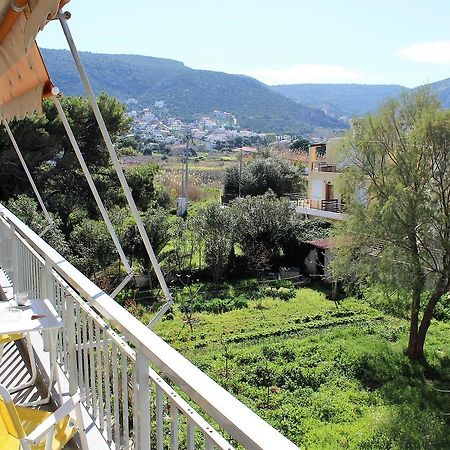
[{"x": 24, "y": 79}]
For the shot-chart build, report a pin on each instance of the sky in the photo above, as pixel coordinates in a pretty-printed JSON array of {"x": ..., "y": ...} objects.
[{"x": 403, "y": 42}]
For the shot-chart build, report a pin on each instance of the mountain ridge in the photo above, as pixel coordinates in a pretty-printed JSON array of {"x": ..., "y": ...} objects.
[
  {"x": 345, "y": 100},
  {"x": 187, "y": 92},
  {"x": 354, "y": 99}
]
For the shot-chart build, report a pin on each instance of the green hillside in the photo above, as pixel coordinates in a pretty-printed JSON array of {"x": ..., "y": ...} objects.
[
  {"x": 187, "y": 92},
  {"x": 442, "y": 89},
  {"x": 340, "y": 99}
]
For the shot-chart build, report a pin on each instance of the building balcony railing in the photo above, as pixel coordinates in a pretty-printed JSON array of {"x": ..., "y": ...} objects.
[
  {"x": 320, "y": 166},
  {"x": 327, "y": 209},
  {"x": 333, "y": 205},
  {"x": 136, "y": 389}
]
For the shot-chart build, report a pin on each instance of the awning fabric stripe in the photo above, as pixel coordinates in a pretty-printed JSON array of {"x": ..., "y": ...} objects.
[{"x": 24, "y": 80}]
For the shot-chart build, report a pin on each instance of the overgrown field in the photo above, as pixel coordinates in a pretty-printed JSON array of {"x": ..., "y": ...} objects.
[{"x": 327, "y": 377}]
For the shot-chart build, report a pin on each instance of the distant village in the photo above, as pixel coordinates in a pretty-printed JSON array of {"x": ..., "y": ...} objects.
[{"x": 158, "y": 131}]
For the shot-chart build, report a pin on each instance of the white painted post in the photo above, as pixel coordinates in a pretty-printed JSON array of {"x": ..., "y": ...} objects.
[
  {"x": 46, "y": 282},
  {"x": 14, "y": 259},
  {"x": 6, "y": 249},
  {"x": 69, "y": 326},
  {"x": 159, "y": 419},
  {"x": 173, "y": 426},
  {"x": 143, "y": 401}
]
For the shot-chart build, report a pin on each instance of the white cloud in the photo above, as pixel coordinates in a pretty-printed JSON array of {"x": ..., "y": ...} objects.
[
  {"x": 427, "y": 52},
  {"x": 307, "y": 73}
]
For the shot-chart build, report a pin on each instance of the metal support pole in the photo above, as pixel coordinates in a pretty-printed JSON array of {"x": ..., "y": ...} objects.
[
  {"x": 30, "y": 178},
  {"x": 92, "y": 186},
  {"x": 124, "y": 282},
  {"x": 114, "y": 158}
]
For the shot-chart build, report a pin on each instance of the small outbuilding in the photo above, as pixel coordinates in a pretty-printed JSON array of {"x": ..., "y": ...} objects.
[{"x": 317, "y": 262}]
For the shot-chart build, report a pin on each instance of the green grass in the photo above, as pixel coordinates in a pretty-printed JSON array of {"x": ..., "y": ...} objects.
[
  {"x": 327, "y": 378},
  {"x": 266, "y": 317}
]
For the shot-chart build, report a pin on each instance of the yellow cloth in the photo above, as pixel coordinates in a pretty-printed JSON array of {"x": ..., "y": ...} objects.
[
  {"x": 29, "y": 419},
  {"x": 5, "y": 338}
]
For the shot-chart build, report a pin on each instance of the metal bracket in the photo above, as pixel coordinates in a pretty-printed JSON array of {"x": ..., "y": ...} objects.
[
  {"x": 16, "y": 8},
  {"x": 66, "y": 15},
  {"x": 160, "y": 313}
]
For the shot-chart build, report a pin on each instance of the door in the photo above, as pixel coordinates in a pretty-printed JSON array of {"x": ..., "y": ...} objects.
[{"x": 329, "y": 191}]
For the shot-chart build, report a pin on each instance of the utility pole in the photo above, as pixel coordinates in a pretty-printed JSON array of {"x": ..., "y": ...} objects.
[
  {"x": 186, "y": 170},
  {"x": 240, "y": 170},
  {"x": 182, "y": 203}
]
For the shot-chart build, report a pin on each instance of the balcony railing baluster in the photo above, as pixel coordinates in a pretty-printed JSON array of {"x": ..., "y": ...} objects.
[
  {"x": 94, "y": 386},
  {"x": 83, "y": 349},
  {"x": 190, "y": 438},
  {"x": 135, "y": 406},
  {"x": 142, "y": 364},
  {"x": 115, "y": 398},
  {"x": 101, "y": 403},
  {"x": 107, "y": 385},
  {"x": 124, "y": 378},
  {"x": 79, "y": 354},
  {"x": 173, "y": 426},
  {"x": 159, "y": 419}
]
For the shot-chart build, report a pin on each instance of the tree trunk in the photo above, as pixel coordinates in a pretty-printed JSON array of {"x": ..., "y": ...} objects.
[
  {"x": 415, "y": 346},
  {"x": 418, "y": 334},
  {"x": 413, "y": 350}
]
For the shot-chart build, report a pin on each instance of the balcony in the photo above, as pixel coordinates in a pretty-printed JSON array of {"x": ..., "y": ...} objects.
[
  {"x": 321, "y": 166},
  {"x": 137, "y": 391},
  {"x": 324, "y": 209}
]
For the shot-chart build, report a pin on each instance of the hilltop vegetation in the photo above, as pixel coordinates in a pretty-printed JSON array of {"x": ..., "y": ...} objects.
[{"x": 187, "y": 92}]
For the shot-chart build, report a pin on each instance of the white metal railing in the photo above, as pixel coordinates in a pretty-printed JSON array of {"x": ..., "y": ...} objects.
[{"x": 114, "y": 360}]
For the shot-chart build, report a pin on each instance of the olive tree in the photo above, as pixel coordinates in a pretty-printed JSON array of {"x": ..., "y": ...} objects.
[
  {"x": 262, "y": 224},
  {"x": 263, "y": 174},
  {"x": 214, "y": 227}
]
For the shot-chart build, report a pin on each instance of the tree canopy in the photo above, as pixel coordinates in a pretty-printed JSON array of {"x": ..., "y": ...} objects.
[
  {"x": 79, "y": 233},
  {"x": 300, "y": 145},
  {"x": 52, "y": 161},
  {"x": 262, "y": 174},
  {"x": 397, "y": 188},
  {"x": 262, "y": 224}
]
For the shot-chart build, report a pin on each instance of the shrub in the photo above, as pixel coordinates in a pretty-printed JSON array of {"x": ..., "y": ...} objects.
[{"x": 282, "y": 293}]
